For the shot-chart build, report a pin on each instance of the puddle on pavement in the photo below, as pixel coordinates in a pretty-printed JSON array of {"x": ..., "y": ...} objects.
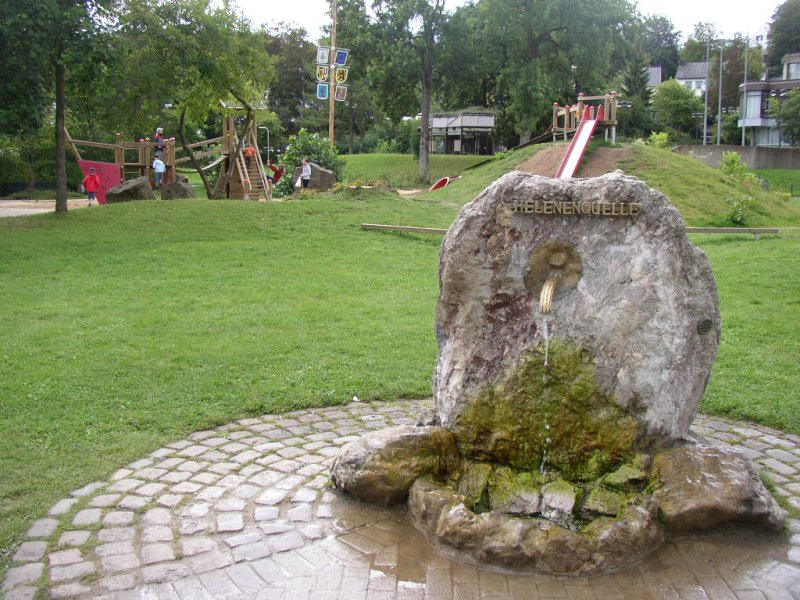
[{"x": 395, "y": 548}]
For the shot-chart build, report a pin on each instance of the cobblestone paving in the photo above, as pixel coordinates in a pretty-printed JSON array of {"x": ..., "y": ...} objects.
[{"x": 245, "y": 512}]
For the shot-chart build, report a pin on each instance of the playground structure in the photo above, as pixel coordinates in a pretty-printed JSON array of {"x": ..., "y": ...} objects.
[
  {"x": 135, "y": 159},
  {"x": 581, "y": 121},
  {"x": 577, "y": 120}
]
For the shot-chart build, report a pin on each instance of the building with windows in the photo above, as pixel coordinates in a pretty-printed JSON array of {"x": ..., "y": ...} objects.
[
  {"x": 694, "y": 76},
  {"x": 462, "y": 133},
  {"x": 756, "y": 98}
]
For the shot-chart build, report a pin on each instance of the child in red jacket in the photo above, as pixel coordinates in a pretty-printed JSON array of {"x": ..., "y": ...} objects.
[{"x": 91, "y": 183}]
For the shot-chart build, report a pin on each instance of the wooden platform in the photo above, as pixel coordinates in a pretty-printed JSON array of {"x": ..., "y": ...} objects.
[{"x": 756, "y": 231}]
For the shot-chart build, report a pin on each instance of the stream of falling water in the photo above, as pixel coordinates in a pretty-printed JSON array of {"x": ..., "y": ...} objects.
[
  {"x": 547, "y": 440},
  {"x": 546, "y": 336}
]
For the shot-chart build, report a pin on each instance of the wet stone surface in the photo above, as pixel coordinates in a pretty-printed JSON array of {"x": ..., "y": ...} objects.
[{"x": 260, "y": 522}]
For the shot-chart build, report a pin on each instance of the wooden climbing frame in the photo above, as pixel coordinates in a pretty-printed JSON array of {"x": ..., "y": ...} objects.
[
  {"x": 135, "y": 159},
  {"x": 567, "y": 118}
]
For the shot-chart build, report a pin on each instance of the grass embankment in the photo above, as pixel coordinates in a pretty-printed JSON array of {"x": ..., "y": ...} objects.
[
  {"x": 700, "y": 192},
  {"x": 128, "y": 326},
  {"x": 400, "y": 170},
  {"x": 786, "y": 181}
]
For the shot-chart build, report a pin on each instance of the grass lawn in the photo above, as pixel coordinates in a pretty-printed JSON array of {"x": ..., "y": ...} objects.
[
  {"x": 132, "y": 325},
  {"x": 135, "y": 324},
  {"x": 400, "y": 170},
  {"x": 781, "y": 180},
  {"x": 757, "y": 373}
]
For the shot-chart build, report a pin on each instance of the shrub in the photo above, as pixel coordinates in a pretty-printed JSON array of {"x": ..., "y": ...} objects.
[
  {"x": 314, "y": 148},
  {"x": 732, "y": 164},
  {"x": 740, "y": 208},
  {"x": 659, "y": 139}
]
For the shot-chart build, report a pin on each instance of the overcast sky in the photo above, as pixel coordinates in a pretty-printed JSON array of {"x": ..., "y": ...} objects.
[{"x": 748, "y": 18}]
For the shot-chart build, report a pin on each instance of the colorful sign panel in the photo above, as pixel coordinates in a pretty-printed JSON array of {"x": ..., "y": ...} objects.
[
  {"x": 341, "y": 93},
  {"x": 340, "y": 58},
  {"x": 323, "y": 71},
  {"x": 340, "y": 74},
  {"x": 323, "y": 55},
  {"x": 322, "y": 91}
]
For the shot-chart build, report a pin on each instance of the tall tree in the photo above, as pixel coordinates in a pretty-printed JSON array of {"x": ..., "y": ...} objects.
[
  {"x": 41, "y": 43},
  {"x": 293, "y": 56},
  {"x": 635, "y": 79},
  {"x": 675, "y": 105},
  {"x": 701, "y": 41},
  {"x": 359, "y": 111},
  {"x": 549, "y": 50},
  {"x": 732, "y": 53},
  {"x": 786, "y": 113},
  {"x": 469, "y": 65},
  {"x": 784, "y": 34},
  {"x": 408, "y": 48},
  {"x": 634, "y": 113},
  {"x": 205, "y": 54},
  {"x": 661, "y": 45}
]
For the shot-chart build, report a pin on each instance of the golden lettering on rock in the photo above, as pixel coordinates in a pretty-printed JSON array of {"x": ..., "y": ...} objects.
[{"x": 559, "y": 207}]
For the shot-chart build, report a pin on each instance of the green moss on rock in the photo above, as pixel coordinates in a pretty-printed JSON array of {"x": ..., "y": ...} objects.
[
  {"x": 507, "y": 485},
  {"x": 602, "y": 501},
  {"x": 631, "y": 474},
  {"x": 554, "y": 417},
  {"x": 473, "y": 485}
]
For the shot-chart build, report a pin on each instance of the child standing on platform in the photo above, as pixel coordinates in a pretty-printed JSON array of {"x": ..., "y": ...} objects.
[{"x": 159, "y": 168}]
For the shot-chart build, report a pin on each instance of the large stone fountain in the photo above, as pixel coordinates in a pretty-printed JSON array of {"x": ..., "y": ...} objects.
[{"x": 577, "y": 330}]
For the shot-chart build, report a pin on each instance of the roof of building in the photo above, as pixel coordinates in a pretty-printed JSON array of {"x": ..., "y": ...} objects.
[
  {"x": 654, "y": 76},
  {"x": 458, "y": 121},
  {"x": 794, "y": 57},
  {"x": 692, "y": 70}
]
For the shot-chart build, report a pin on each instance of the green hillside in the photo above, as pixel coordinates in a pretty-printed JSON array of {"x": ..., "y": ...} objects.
[
  {"x": 700, "y": 191},
  {"x": 697, "y": 190}
]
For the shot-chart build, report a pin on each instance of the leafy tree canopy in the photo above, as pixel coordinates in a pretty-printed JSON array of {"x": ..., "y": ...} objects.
[
  {"x": 701, "y": 42},
  {"x": 784, "y": 33},
  {"x": 293, "y": 57},
  {"x": 674, "y": 106},
  {"x": 787, "y": 115},
  {"x": 661, "y": 43}
]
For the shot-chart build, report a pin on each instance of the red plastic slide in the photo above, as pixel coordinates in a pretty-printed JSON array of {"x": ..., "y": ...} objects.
[{"x": 577, "y": 147}]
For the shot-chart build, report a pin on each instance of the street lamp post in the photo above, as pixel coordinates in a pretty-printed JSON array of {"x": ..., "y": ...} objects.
[
  {"x": 265, "y": 128},
  {"x": 331, "y": 94},
  {"x": 698, "y": 116},
  {"x": 705, "y": 98},
  {"x": 744, "y": 91},
  {"x": 719, "y": 98},
  {"x": 624, "y": 104}
]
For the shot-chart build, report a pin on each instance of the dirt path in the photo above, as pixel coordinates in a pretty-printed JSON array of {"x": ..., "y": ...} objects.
[{"x": 16, "y": 208}]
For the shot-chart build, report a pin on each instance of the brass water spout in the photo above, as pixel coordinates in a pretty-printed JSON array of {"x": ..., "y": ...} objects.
[
  {"x": 553, "y": 271},
  {"x": 546, "y": 295}
]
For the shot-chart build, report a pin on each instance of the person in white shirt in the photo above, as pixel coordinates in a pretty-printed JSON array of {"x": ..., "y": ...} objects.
[
  {"x": 305, "y": 175},
  {"x": 159, "y": 168}
]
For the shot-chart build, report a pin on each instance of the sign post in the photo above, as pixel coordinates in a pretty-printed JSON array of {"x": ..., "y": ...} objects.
[
  {"x": 332, "y": 103},
  {"x": 331, "y": 75}
]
